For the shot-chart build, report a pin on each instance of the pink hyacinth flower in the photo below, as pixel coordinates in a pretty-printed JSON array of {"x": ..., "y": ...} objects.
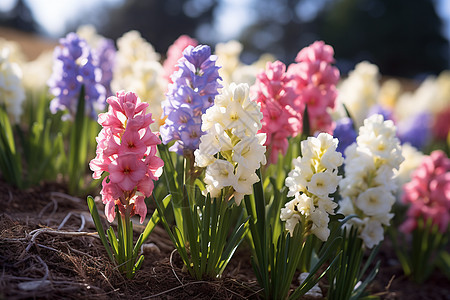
[
  {"x": 281, "y": 114},
  {"x": 174, "y": 53},
  {"x": 428, "y": 193},
  {"x": 314, "y": 80},
  {"x": 126, "y": 171},
  {"x": 127, "y": 152}
]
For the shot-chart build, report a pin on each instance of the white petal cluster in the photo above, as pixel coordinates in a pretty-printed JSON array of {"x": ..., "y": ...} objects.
[
  {"x": 16, "y": 54},
  {"x": 313, "y": 179},
  {"x": 413, "y": 159},
  {"x": 12, "y": 93},
  {"x": 233, "y": 70},
  {"x": 431, "y": 90},
  {"x": 37, "y": 72},
  {"x": 137, "y": 68},
  {"x": 368, "y": 187},
  {"x": 228, "y": 57},
  {"x": 231, "y": 150},
  {"x": 359, "y": 92}
]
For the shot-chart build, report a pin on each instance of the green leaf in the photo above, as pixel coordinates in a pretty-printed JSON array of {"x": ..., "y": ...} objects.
[
  {"x": 10, "y": 163},
  {"x": 306, "y": 124},
  {"x": 138, "y": 264},
  {"x": 98, "y": 225},
  {"x": 113, "y": 241},
  {"x": 150, "y": 225},
  {"x": 77, "y": 148}
]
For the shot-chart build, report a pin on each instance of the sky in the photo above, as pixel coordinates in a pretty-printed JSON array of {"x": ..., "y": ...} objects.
[{"x": 52, "y": 15}]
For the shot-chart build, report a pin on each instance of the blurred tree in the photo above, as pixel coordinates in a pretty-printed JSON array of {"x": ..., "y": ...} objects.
[
  {"x": 281, "y": 27},
  {"x": 19, "y": 17},
  {"x": 402, "y": 37},
  {"x": 159, "y": 22}
]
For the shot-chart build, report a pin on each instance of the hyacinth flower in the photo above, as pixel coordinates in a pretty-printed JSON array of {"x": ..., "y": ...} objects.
[
  {"x": 230, "y": 152},
  {"x": 441, "y": 126},
  {"x": 427, "y": 219},
  {"x": 368, "y": 186},
  {"x": 75, "y": 84},
  {"x": 359, "y": 91},
  {"x": 314, "y": 81},
  {"x": 103, "y": 53},
  {"x": 415, "y": 130},
  {"x": 12, "y": 93},
  {"x": 345, "y": 132},
  {"x": 174, "y": 53},
  {"x": 126, "y": 151},
  {"x": 12, "y": 96},
  {"x": 137, "y": 68},
  {"x": 73, "y": 68},
  {"x": 282, "y": 117},
  {"x": 282, "y": 237},
  {"x": 104, "y": 58},
  {"x": 367, "y": 192},
  {"x": 313, "y": 179},
  {"x": 195, "y": 84}
]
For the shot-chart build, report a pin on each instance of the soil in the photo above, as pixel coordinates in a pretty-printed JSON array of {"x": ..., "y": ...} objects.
[{"x": 49, "y": 250}]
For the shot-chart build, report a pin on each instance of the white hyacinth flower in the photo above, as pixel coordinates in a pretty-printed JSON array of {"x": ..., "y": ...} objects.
[
  {"x": 220, "y": 174},
  {"x": 324, "y": 183},
  {"x": 368, "y": 186},
  {"x": 250, "y": 152},
  {"x": 359, "y": 92},
  {"x": 372, "y": 233},
  {"x": 312, "y": 180},
  {"x": 231, "y": 140},
  {"x": 12, "y": 93},
  {"x": 375, "y": 201},
  {"x": 245, "y": 178},
  {"x": 137, "y": 68}
]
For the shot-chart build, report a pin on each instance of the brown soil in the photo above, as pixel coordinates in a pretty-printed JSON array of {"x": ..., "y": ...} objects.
[{"x": 48, "y": 250}]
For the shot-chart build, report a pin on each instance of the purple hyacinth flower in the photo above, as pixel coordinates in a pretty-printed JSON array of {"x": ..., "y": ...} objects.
[
  {"x": 378, "y": 109},
  {"x": 74, "y": 67},
  {"x": 345, "y": 133},
  {"x": 193, "y": 90},
  {"x": 104, "y": 57},
  {"x": 416, "y": 130}
]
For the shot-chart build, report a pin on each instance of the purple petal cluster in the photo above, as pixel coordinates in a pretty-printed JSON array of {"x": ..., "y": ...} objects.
[
  {"x": 194, "y": 87},
  {"x": 416, "y": 130},
  {"x": 345, "y": 133},
  {"x": 104, "y": 57},
  {"x": 74, "y": 67},
  {"x": 380, "y": 110}
]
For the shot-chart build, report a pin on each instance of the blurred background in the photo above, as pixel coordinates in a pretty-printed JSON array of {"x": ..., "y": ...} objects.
[{"x": 406, "y": 38}]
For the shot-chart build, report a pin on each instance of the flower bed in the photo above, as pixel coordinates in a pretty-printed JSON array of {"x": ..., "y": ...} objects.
[{"x": 246, "y": 178}]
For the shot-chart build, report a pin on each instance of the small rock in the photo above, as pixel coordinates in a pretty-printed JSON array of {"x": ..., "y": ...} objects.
[
  {"x": 150, "y": 248},
  {"x": 315, "y": 292},
  {"x": 33, "y": 285}
]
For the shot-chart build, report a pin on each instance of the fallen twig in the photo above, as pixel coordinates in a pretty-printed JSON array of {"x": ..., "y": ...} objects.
[
  {"x": 35, "y": 233},
  {"x": 173, "y": 269}
]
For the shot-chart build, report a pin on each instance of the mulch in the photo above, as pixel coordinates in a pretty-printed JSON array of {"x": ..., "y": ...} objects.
[{"x": 49, "y": 250}]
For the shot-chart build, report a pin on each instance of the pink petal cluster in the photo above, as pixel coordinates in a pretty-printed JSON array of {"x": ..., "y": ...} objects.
[
  {"x": 174, "y": 53},
  {"x": 315, "y": 82},
  {"x": 281, "y": 113},
  {"x": 428, "y": 192},
  {"x": 126, "y": 151},
  {"x": 441, "y": 126}
]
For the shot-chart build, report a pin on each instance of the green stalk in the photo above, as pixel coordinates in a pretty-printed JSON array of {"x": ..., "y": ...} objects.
[
  {"x": 77, "y": 146},
  {"x": 98, "y": 225}
]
